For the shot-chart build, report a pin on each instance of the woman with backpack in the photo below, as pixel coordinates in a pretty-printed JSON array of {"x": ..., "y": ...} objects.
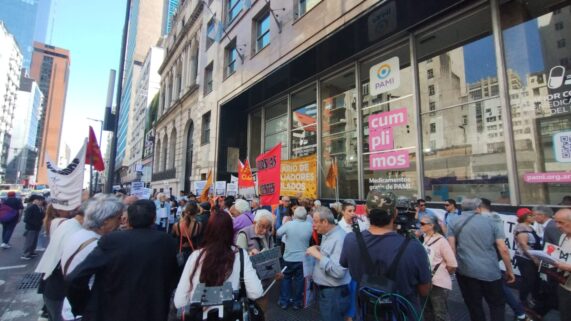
[
  {"x": 527, "y": 239},
  {"x": 188, "y": 230},
  {"x": 442, "y": 264}
]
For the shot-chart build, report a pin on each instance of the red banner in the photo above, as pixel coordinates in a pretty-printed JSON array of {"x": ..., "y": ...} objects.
[
  {"x": 245, "y": 178},
  {"x": 269, "y": 165}
]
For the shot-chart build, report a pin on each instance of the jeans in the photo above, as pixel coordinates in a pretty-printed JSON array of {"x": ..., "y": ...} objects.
[
  {"x": 293, "y": 280},
  {"x": 437, "y": 305},
  {"x": 514, "y": 304},
  {"x": 564, "y": 303},
  {"x": 333, "y": 303},
  {"x": 530, "y": 279},
  {"x": 474, "y": 290},
  {"x": 7, "y": 230},
  {"x": 31, "y": 242}
]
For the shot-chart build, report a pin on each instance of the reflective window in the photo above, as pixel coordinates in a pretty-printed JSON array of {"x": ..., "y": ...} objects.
[
  {"x": 463, "y": 155},
  {"x": 539, "y": 77},
  {"x": 233, "y": 8},
  {"x": 339, "y": 133},
  {"x": 275, "y": 127},
  {"x": 304, "y": 122},
  {"x": 231, "y": 56},
  {"x": 263, "y": 31},
  {"x": 255, "y": 144},
  {"x": 389, "y": 130}
]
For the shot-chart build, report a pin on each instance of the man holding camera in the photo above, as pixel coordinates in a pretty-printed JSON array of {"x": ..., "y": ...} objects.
[{"x": 410, "y": 272}]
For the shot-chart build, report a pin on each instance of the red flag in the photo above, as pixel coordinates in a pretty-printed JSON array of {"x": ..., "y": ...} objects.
[
  {"x": 245, "y": 178},
  {"x": 93, "y": 153},
  {"x": 269, "y": 166}
]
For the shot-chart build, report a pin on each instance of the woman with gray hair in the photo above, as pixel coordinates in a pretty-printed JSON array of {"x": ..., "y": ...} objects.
[{"x": 102, "y": 216}]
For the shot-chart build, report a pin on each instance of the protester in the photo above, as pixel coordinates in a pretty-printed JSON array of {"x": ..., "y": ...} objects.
[
  {"x": 475, "y": 238},
  {"x": 442, "y": 264},
  {"x": 256, "y": 238},
  {"x": 332, "y": 279},
  {"x": 527, "y": 239},
  {"x": 298, "y": 233},
  {"x": 204, "y": 213},
  {"x": 163, "y": 206},
  {"x": 52, "y": 284},
  {"x": 9, "y": 226},
  {"x": 422, "y": 210},
  {"x": 546, "y": 227},
  {"x": 102, "y": 216},
  {"x": 412, "y": 271},
  {"x": 188, "y": 230},
  {"x": 227, "y": 203},
  {"x": 563, "y": 221},
  {"x": 180, "y": 208},
  {"x": 243, "y": 216},
  {"x": 135, "y": 272},
  {"x": 33, "y": 217},
  {"x": 217, "y": 262},
  {"x": 346, "y": 220},
  {"x": 280, "y": 212},
  {"x": 255, "y": 205}
]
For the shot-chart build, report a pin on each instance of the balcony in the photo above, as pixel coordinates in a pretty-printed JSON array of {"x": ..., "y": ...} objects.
[{"x": 168, "y": 174}]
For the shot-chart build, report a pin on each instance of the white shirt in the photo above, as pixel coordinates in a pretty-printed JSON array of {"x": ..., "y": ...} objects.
[
  {"x": 74, "y": 242},
  {"x": 363, "y": 225},
  {"x": 184, "y": 293},
  {"x": 59, "y": 237}
]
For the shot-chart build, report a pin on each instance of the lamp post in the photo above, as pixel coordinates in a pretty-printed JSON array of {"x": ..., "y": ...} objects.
[{"x": 93, "y": 189}]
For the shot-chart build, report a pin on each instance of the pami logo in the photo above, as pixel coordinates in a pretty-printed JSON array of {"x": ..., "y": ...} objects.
[{"x": 384, "y": 76}]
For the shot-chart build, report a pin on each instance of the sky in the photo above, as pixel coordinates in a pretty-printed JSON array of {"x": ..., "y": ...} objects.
[{"x": 91, "y": 31}]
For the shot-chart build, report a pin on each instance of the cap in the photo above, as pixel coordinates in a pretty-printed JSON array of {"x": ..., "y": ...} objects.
[
  {"x": 11, "y": 194},
  {"x": 522, "y": 211},
  {"x": 205, "y": 206},
  {"x": 35, "y": 197},
  {"x": 381, "y": 199}
]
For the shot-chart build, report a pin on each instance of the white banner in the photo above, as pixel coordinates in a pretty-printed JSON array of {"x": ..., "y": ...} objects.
[
  {"x": 220, "y": 188},
  {"x": 232, "y": 189},
  {"x": 66, "y": 184}
]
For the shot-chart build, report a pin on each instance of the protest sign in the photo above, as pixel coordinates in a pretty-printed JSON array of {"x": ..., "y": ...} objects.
[
  {"x": 299, "y": 177},
  {"x": 269, "y": 165}
]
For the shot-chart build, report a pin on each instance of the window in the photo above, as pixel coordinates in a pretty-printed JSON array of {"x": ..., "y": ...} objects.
[
  {"x": 559, "y": 26},
  {"x": 432, "y": 128},
  {"x": 208, "y": 83},
  {"x": 430, "y": 73},
  {"x": 561, "y": 43},
  {"x": 304, "y": 6},
  {"x": 432, "y": 106},
  {"x": 536, "y": 91},
  {"x": 262, "y": 31},
  {"x": 210, "y": 32},
  {"x": 304, "y": 122},
  {"x": 205, "y": 134},
  {"x": 431, "y": 90},
  {"x": 231, "y": 55},
  {"x": 233, "y": 8},
  {"x": 275, "y": 126}
]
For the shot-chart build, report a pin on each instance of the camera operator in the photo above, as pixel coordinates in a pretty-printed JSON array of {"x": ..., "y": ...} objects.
[{"x": 411, "y": 275}]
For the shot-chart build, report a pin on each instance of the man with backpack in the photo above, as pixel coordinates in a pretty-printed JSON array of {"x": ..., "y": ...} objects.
[
  {"x": 33, "y": 217},
  {"x": 386, "y": 264},
  {"x": 10, "y": 211}
]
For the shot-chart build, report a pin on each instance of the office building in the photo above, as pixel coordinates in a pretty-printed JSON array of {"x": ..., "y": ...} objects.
[{"x": 50, "y": 69}]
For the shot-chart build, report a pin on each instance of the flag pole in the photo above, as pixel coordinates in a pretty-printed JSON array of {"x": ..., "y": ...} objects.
[
  {"x": 91, "y": 174},
  {"x": 336, "y": 180}
]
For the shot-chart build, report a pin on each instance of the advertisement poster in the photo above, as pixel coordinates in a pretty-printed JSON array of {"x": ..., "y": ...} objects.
[
  {"x": 269, "y": 165},
  {"x": 299, "y": 177},
  {"x": 381, "y": 138}
]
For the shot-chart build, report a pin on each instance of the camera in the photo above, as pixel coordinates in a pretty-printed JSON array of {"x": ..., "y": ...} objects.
[{"x": 405, "y": 220}]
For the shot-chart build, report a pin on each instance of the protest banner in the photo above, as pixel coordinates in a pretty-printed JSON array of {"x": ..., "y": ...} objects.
[
  {"x": 220, "y": 188},
  {"x": 299, "y": 177},
  {"x": 232, "y": 189},
  {"x": 66, "y": 184},
  {"x": 269, "y": 165}
]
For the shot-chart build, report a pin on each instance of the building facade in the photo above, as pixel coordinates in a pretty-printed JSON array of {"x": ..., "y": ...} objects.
[
  {"x": 28, "y": 21},
  {"x": 170, "y": 7},
  {"x": 145, "y": 29},
  {"x": 22, "y": 158},
  {"x": 10, "y": 65},
  {"x": 50, "y": 69},
  {"x": 147, "y": 88},
  {"x": 179, "y": 154}
]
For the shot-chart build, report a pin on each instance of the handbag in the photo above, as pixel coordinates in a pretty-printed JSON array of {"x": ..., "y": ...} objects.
[
  {"x": 249, "y": 307},
  {"x": 182, "y": 256}
]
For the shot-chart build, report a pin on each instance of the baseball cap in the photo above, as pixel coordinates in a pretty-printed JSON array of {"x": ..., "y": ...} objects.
[
  {"x": 11, "y": 194},
  {"x": 381, "y": 199},
  {"x": 523, "y": 211}
]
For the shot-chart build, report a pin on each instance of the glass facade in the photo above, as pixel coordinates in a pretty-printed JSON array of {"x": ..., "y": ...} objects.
[{"x": 452, "y": 117}]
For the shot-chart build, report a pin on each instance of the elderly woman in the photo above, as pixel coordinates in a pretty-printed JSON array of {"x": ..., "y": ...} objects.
[
  {"x": 527, "y": 239},
  {"x": 257, "y": 237},
  {"x": 102, "y": 216}
]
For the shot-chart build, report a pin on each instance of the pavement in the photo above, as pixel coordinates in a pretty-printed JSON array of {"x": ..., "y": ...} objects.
[{"x": 19, "y": 300}]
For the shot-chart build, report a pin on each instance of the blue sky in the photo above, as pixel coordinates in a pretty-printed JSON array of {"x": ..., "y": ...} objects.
[{"x": 91, "y": 31}]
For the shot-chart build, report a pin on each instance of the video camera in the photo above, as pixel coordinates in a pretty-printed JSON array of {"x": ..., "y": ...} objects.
[
  {"x": 405, "y": 220},
  {"x": 218, "y": 303}
]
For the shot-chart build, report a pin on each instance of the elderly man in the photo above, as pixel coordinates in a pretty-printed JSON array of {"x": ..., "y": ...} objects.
[
  {"x": 243, "y": 217},
  {"x": 135, "y": 272},
  {"x": 546, "y": 227},
  {"x": 475, "y": 238},
  {"x": 163, "y": 206},
  {"x": 256, "y": 238},
  {"x": 563, "y": 221},
  {"x": 330, "y": 277},
  {"x": 298, "y": 233}
]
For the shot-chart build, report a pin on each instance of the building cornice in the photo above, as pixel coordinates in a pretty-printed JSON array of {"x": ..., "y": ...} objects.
[{"x": 169, "y": 53}]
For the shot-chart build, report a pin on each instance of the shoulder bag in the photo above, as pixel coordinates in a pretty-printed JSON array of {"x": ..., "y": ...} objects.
[{"x": 249, "y": 307}]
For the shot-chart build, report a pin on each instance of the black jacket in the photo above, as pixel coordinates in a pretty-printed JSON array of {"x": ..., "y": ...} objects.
[
  {"x": 135, "y": 274},
  {"x": 33, "y": 217}
]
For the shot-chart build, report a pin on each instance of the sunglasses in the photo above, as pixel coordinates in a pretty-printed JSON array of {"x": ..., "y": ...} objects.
[{"x": 424, "y": 223}]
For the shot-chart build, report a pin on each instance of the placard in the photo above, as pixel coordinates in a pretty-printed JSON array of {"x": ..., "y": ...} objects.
[
  {"x": 220, "y": 188},
  {"x": 268, "y": 165},
  {"x": 299, "y": 177},
  {"x": 232, "y": 189},
  {"x": 267, "y": 263}
]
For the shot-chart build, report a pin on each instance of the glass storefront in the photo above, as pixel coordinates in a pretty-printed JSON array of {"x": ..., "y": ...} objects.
[{"x": 364, "y": 115}]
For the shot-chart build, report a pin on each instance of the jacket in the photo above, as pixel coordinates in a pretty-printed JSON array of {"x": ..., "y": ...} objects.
[{"x": 33, "y": 217}]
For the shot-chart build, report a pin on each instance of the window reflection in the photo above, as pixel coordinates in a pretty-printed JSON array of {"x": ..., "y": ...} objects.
[
  {"x": 304, "y": 123},
  {"x": 275, "y": 129}
]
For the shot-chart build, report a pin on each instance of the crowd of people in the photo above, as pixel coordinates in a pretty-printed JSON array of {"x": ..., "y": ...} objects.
[{"x": 121, "y": 258}]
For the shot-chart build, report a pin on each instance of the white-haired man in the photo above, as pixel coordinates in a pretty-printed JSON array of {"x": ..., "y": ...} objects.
[
  {"x": 297, "y": 233},
  {"x": 563, "y": 221}
]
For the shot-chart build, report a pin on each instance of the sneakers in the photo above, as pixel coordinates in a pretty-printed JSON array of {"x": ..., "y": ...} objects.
[
  {"x": 5, "y": 246},
  {"x": 25, "y": 257}
]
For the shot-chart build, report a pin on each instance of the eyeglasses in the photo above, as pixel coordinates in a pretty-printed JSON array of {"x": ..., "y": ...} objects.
[
  {"x": 424, "y": 223},
  {"x": 446, "y": 204},
  {"x": 422, "y": 205}
]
